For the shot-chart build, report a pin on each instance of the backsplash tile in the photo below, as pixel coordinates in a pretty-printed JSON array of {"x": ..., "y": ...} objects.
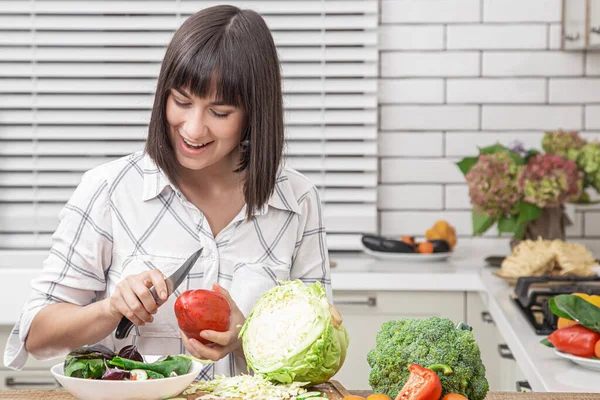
[{"x": 457, "y": 74}]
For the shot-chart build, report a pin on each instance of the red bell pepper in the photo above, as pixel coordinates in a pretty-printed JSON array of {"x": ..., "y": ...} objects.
[
  {"x": 422, "y": 384},
  {"x": 576, "y": 340}
]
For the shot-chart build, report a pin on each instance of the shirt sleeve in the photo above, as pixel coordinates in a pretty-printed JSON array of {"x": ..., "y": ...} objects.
[
  {"x": 74, "y": 271},
  {"x": 310, "y": 262}
]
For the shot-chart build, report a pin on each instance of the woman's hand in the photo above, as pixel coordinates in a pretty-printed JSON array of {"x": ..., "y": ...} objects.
[
  {"x": 223, "y": 343},
  {"x": 133, "y": 299}
]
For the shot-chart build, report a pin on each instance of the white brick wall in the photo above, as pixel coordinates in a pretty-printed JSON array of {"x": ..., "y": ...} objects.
[{"x": 457, "y": 74}]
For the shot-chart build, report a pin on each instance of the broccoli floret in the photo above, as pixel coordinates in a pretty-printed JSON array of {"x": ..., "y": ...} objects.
[{"x": 427, "y": 342}]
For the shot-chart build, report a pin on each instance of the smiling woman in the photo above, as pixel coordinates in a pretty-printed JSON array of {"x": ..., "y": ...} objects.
[{"x": 211, "y": 177}]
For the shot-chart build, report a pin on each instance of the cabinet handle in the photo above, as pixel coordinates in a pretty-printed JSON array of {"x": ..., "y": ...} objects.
[
  {"x": 522, "y": 386},
  {"x": 572, "y": 38},
  {"x": 12, "y": 382},
  {"x": 487, "y": 318},
  {"x": 505, "y": 352},
  {"x": 371, "y": 301}
]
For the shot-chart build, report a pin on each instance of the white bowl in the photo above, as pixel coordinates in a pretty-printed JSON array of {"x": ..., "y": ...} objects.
[{"x": 152, "y": 389}]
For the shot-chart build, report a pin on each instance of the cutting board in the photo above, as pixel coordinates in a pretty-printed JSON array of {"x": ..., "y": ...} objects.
[{"x": 334, "y": 390}]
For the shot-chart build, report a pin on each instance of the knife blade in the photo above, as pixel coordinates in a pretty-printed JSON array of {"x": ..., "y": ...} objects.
[{"x": 172, "y": 282}]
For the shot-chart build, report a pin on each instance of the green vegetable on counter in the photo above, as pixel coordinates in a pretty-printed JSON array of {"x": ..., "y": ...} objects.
[{"x": 427, "y": 342}]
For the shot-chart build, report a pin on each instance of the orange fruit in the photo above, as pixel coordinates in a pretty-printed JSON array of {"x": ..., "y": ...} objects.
[
  {"x": 353, "y": 397},
  {"x": 379, "y": 397},
  {"x": 454, "y": 396},
  {"x": 425, "y": 248},
  {"x": 597, "y": 349}
]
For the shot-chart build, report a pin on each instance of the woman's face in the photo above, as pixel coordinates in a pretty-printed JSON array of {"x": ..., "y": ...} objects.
[{"x": 203, "y": 132}]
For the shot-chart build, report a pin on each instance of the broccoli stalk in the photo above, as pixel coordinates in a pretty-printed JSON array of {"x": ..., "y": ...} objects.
[{"x": 435, "y": 342}]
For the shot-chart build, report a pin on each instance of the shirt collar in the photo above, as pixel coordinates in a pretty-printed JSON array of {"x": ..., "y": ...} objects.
[{"x": 283, "y": 197}]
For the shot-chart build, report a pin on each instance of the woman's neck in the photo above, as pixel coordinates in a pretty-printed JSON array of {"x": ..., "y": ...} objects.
[{"x": 212, "y": 180}]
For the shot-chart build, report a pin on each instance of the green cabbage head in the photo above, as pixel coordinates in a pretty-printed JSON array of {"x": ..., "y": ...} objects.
[{"x": 293, "y": 334}]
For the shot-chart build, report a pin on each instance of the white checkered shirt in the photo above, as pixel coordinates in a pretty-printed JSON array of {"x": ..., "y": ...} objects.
[{"x": 125, "y": 217}]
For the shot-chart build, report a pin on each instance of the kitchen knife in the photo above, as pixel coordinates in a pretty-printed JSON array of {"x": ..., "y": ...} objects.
[{"x": 172, "y": 282}]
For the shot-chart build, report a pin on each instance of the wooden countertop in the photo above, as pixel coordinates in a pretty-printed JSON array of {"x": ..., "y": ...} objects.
[{"x": 63, "y": 395}]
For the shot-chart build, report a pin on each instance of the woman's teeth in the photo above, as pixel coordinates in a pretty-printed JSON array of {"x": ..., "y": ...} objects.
[{"x": 194, "y": 146}]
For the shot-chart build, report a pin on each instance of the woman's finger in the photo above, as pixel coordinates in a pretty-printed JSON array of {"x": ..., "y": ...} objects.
[
  {"x": 123, "y": 308},
  {"x": 221, "y": 338},
  {"x": 158, "y": 281},
  {"x": 139, "y": 285},
  {"x": 134, "y": 304},
  {"x": 199, "y": 350}
]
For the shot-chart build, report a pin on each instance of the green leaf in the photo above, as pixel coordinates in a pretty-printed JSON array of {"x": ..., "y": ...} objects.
[
  {"x": 557, "y": 311},
  {"x": 546, "y": 342},
  {"x": 578, "y": 309},
  {"x": 495, "y": 148},
  {"x": 507, "y": 224},
  {"x": 528, "y": 212},
  {"x": 519, "y": 232},
  {"x": 481, "y": 223},
  {"x": 466, "y": 164}
]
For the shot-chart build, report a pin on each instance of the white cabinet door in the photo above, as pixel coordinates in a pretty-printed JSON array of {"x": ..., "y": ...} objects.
[
  {"x": 488, "y": 338},
  {"x": 364, "y": 312},
  {"x": 501, "y": 373}
]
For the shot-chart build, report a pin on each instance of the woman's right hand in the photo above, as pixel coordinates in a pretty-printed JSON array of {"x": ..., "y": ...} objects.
[{"x": 132, "y": 297}]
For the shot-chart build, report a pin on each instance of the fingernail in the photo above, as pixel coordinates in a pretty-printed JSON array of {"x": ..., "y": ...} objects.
[{"x": 163, "y": 295}]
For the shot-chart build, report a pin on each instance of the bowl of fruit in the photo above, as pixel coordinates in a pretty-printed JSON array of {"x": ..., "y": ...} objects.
[{"x": 437, "y": 245}]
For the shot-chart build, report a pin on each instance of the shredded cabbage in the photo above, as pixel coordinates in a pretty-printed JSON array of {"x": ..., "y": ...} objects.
[{"x": 245, "y": 387}]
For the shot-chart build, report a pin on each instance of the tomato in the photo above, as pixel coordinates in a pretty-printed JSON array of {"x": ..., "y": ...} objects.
[
  {"x": 379, "y": 397},
  {"x": 198, "y": 310},
  {"x": 454, "y": 396},
  {"x": 422, "y": 384}
]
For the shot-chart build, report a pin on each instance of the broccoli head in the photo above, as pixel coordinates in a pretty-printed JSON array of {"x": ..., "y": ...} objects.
[{"x": 427, "y": 342}]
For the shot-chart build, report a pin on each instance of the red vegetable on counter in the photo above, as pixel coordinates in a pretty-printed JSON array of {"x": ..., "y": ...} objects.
[
  {"x": 576, "y": 340},
  {"x": 422, "y": 384}
]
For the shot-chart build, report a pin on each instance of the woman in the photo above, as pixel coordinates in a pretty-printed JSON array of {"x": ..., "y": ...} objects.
[{"x": 210, "y": 177}]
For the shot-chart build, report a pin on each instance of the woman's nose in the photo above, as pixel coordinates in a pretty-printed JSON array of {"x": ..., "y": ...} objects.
[{"x": 194, "y": 126}]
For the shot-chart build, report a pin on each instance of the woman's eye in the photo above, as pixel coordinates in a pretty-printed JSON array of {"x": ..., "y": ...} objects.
[
  {"x": 180, "y": 104},
  {"x": 219, "y": 115}
]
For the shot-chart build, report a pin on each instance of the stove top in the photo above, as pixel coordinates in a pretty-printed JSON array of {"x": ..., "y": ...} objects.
[{"x": 532, "y": 294}]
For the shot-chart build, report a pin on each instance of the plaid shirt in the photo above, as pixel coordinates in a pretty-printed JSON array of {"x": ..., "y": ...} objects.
[{"x": 125, "y": 217}]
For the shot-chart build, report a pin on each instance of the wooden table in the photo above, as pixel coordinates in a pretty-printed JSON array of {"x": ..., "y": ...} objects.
[{"x": 63, "y": 395}]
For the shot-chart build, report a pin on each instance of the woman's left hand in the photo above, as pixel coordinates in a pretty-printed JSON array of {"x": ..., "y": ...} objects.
[{"x": 223, "y": 343}]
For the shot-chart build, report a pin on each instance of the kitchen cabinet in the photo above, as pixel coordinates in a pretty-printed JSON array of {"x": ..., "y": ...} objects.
[
  {"x": 363, "y": 313},
  {"x": 580, "y": 24},
  {"x": 502, "y": 370},
  {"x": 35, "y": 375}
]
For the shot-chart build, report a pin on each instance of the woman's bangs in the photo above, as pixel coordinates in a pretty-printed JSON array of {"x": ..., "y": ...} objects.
[{"x": 211, "y": 75}]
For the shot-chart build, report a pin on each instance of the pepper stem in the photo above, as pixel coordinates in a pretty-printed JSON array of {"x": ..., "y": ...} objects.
[{"x": 445, "y": 369}]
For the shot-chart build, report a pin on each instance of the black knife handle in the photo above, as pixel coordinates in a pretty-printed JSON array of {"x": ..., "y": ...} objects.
[{"x": 123, "y": 328}]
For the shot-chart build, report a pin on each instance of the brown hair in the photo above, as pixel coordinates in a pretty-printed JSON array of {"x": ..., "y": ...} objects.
[{"x": 231, "y": 51}]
